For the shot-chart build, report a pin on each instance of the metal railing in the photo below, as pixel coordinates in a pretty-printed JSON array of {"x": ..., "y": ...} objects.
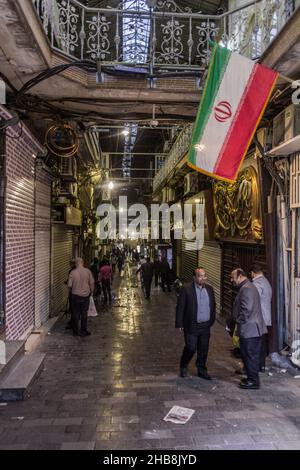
[
  {"x": 178, "y": 150},
  {"x": 178, "y": 38}
]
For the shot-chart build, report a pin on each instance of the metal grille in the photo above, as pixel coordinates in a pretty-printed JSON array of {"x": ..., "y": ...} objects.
[
  {"x": 189, "y": 261},
  {"x": 295, "y": 181},
  {"x": 210, "y": 258},
  {"x": 234, "y": 256},
  {"x": 62, "y": 247},
  {"x": 2, "y": 229},
  {"x": 42, "y": 249}
]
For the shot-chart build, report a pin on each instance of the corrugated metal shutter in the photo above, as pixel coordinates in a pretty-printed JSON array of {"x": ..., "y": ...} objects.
[
  {"x": 62, "y": 250},
  {"x": 42, "y": 247},
  {"x": 189, "y": 261},
  {"x": 233, "y": 256},
  {"x": 210, "y": 258}
]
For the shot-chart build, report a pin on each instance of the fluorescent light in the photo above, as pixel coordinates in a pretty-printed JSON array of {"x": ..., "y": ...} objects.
[
  {"x": 110, "y": 185},
  {"x": 197, "y": 200}
]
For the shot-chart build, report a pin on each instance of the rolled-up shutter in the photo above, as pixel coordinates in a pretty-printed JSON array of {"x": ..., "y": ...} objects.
[
  {"x": 189, "y": 261},
  {"x": 210, "y": 258},
  {"x": 62, "y": 250},
  {"x": 42, "y": 246}
]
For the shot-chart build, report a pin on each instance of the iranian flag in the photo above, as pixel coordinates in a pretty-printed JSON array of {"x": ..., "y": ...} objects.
[{"x": 236, "y": 93}]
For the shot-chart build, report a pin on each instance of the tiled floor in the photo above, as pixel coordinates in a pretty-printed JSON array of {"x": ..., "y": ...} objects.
[{"x": 111, "y": 390}]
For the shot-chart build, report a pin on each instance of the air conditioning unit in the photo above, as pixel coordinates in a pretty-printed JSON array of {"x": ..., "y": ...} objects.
[
  {"x": 68, "y": 168},
  {"x": 67, "y": 189},
  {"x": 191, "y": 183},
  {"x": 286, "y": 125}
]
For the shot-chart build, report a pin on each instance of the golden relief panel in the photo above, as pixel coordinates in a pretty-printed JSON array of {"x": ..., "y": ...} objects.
[{"x": 237, "y": 207}]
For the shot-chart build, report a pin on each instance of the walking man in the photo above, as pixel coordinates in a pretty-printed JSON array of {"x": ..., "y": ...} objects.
[
  {"x": 250, "y": 326},
  {"x": 165, "y": 271},
  {"x": 105, "y": 276},
  {"x": 81, "y": 285},
  {"x": 265, "y": 292},
  {"x": 195, "y": 314},
  {"x": 157, "y": 269},
  {"x": 147, "y": 273}
]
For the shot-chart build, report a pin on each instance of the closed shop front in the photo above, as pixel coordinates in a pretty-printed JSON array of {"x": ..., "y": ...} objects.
[
  {"x": 18, "y": 230},
  {"x": 62, "y": 253},
  {"x": 42, "y": 246},
  {"x": 237, "y": 255},
  {"x": 189, "y": 261},
  {"x": 210, "y": 258}
]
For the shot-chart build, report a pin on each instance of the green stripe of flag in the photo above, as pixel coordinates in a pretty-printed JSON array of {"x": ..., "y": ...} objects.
[{"x": 219, "y": 60}]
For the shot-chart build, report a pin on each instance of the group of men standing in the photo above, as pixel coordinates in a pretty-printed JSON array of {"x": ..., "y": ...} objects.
[{"x": 251, "y": 315}]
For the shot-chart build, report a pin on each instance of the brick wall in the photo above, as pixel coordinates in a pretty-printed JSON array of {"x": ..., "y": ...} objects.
[{"x": 21, "y": 149}]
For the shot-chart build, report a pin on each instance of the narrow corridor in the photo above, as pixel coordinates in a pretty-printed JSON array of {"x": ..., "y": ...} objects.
[{"x": 113, "y": 389}]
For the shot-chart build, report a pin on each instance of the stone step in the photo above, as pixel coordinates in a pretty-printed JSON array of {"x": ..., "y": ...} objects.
[
  {"x": 16, "y": 386},
  {"x": 14, "y": 350}
]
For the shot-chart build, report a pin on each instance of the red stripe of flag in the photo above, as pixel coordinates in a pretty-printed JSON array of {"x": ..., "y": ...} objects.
[{"x": 245, "y": 121}]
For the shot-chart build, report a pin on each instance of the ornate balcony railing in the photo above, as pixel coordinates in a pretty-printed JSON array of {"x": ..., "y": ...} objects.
[
  {"x": 177, "y": 37},
  {"x": 178, "y": 150}
]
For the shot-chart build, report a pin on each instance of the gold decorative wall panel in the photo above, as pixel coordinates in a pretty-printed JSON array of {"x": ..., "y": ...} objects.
[{"x": 237, "y": 207}]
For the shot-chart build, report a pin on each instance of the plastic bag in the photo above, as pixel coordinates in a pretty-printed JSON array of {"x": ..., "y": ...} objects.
[
  {"x": 92, "y": 312},
  {"x": 280, "y": 361}
]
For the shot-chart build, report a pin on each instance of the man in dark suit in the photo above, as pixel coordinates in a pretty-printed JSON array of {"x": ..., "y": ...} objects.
[
  {"x": 250, "y": 326},
  {"x": 195, "y": 314}
]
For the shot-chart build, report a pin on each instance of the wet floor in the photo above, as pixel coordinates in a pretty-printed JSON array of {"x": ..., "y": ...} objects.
[{"x": 112, "y": 390}]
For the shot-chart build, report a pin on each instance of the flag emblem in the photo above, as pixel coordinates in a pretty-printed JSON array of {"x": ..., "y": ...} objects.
[{"x": 223, "y": 111}]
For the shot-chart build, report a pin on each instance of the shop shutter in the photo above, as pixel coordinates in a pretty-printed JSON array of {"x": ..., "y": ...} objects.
[
  {"x": 62, "y": 250},
  {"x": 236, "y": 255},
  {"x": 210, "y": 258},
  {"x": 42, "y": 247},
  {"x": 189, "y": 261}
]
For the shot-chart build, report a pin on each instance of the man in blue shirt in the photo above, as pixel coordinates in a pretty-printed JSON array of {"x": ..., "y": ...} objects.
[{"x": 195, "y": 314}]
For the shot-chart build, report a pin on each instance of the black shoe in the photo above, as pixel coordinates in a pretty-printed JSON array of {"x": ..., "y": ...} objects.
[
  {"x": 249, "y": 385},
  {"x": 75, "y": 333},
  {"x": 204, "y": 375},
  {"x": 183, "y": 372},
  {"x": 68, "y": 326},
  {"x": 85, "y": 333},
  {"x": 262, "y": 369}
]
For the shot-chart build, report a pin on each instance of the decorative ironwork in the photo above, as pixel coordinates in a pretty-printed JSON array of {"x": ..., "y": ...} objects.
[
  {"x": 163, "y": 35},
  {"x": 237, "y": 207},
  {"x": 68, "y": 17},
  {"x": 208, "y": 31},
  {"x": 172, "y": 44},
  {"x": 170, "y": 5},
  {"x": 98, "y": 44}
]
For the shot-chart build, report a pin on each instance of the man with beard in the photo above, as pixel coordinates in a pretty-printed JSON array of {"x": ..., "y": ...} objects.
[{"x": 247, "y": 315}]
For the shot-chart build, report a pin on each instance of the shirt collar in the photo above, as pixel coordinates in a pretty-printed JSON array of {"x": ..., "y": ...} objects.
[{"x": 197, "y": 286}]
